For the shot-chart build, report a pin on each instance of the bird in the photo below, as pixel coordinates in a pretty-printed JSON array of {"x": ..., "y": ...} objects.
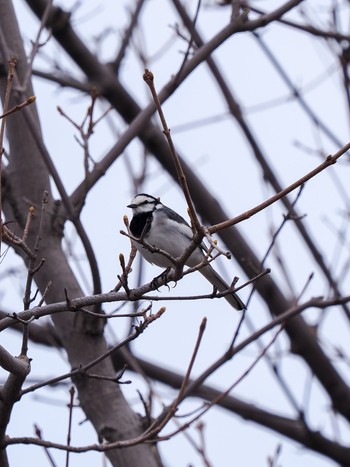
[{"x": 166, "y": 230}]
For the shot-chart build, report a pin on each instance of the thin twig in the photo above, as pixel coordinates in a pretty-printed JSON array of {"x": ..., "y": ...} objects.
[
  {"x": 70, "y": 406},
  {"x": 81, "y": 370},
  {"x": 134, "y": 16},
  {"x": 191, "y": 41},
  {"x": 38, "y": 433},
  {"x": 223, "y": 394},
  {"x": 330, "y": 160},
  {"x": 10, "y": 76},
  {"x": 44, "y": 295},
  {"x": 36, "y": 44},
  {"x": 18, "y": 107},
  {"x": 159, "y": 424},
  {"x": 149, "y": 79},
  {"x": 30, "y": 215}
]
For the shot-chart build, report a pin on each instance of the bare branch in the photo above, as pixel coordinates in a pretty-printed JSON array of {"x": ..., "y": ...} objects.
[{"x": 330, "y": 160}]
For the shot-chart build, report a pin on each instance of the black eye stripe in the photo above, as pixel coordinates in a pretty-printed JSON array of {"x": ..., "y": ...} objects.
[
  {"x": 145, "y": 200},
  {"x": 149, "y": 202}
]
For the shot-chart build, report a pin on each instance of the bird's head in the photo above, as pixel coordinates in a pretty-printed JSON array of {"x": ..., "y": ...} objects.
[{"x": 143, "y": 203}]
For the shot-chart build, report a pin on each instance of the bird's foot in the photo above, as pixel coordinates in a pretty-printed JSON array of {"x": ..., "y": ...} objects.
[{"x": 161, "y": 279}]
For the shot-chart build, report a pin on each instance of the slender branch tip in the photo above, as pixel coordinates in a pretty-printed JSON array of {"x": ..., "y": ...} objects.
[{"x": 148, "y": 77}]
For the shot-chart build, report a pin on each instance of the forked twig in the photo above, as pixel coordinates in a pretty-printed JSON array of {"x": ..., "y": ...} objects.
[{"x": 161, "y": 421}]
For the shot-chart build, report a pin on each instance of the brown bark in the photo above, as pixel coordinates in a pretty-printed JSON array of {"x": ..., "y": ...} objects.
[{"x": 83, "y": 339}]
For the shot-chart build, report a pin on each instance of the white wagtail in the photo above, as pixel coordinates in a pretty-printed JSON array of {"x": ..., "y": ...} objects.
[{"x": 163, "y": 228}]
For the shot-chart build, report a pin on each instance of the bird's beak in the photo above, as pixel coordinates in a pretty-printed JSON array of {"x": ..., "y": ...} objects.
[{"x": 132, "y": 206}]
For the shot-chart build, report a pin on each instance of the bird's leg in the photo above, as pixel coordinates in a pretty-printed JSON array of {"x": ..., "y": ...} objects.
[{"x": 160, "y": 280}]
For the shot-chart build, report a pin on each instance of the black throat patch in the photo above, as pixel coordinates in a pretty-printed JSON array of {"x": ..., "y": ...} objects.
[{"x": 139, "y": 222}]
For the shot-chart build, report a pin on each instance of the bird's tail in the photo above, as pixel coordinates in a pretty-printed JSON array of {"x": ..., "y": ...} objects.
[{"x": 213, "y": 277}]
